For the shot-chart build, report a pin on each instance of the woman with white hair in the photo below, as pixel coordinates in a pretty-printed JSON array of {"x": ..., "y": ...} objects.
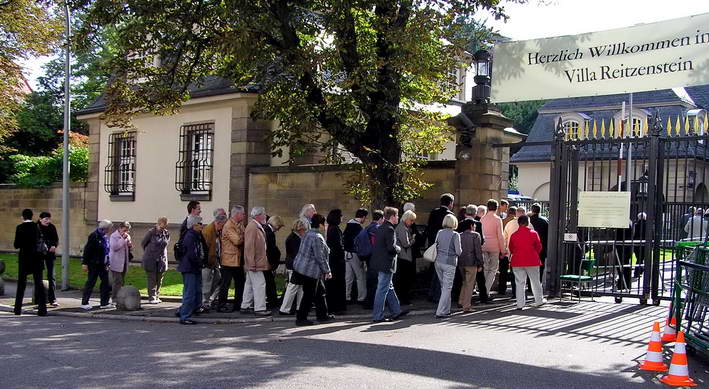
[
  {"x": 95, "y": 263},
  {"x": 406, "y": 270},
  {"x": 448, "y": 249},
  {"x": 255, "y": 263},
  {"x": 155, "y": 258},
  {"x": 307, "y": 212}
]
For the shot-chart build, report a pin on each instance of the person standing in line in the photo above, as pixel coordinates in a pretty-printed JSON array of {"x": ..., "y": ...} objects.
[
  {"x": 384, "y": 261},
  {"x": 293, "y": 291},
  {"x": 51, "y": 239},
  {"x": 307, "y": 212},
  {"x": 405, "y": 275},
  {"x": 335, "y": 287},
  {"x": 190, "y": 266},
  {"x": 510, "y": 228},
  {"x": 525, "y": 247},
  {"x": 470, "y": 261},
  {"x": 540, "y": 224},
  {"x": 193, "y": 208},
  {"x": 696, "y": 227},
  {"x": 27, "y": 237},
  {"x": 255, "y": 263},
  {"x": 354, "y": 266},
  {"x": 435, "y": 223},
  {"x": 502, "y": 210},
  {"x": 232, "y": 266},
  {"x": 273, "y": 253},
  {"x": 505, "y": 269},
  {"x": 418, "y": 236},
  {"x": 447, "y": 251},
  {"x": 95, "y": 263},
  {"x": 372, "y": 275},
  {"x": 480, "y": 277},
  {"x": 211, "y": 275},
  {"x": 494, "y": 246},
  {"x": 310, "y": 267},
  {"x": 638, "y": 234},
  {"x": 155, "y": 258},
  {"x": 118, "y": 257}
]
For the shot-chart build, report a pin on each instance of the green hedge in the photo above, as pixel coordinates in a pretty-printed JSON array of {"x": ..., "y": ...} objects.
[{"x": 43, "y": 171}]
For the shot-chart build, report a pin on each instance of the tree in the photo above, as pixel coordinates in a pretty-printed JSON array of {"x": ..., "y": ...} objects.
[
  {"x": 27, "y": 28},
  {"x": 336, "y": 74}
]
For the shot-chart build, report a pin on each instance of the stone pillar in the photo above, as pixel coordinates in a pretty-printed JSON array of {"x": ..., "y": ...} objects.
[
  {"x": 249, "y": 148},
  {"x": 484, "y": 175}
]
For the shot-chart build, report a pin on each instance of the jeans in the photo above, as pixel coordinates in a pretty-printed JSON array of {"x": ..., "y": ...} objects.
[
  {"x": 237, "y": 274},
  {"x": 49, "y": 263},
  {"x": 293, "y": 292},
  {"x": 254, "y": 291},
  {"x": 96, "y": 272},
  {"x": 40, "y": 294},
  {"x": 385, "y": 296},
  {"x": 191, "y": 294},
  {"x": 355, "y": 270},
  {"x": 211, "y": 282},
  {"x": 521, "y": 274},
  {"x": 446, "y": 274},
  {"x": 313, "y": 292}
]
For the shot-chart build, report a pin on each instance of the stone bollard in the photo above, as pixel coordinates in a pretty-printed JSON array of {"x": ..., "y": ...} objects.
[
  {"x": 46, "y": 292},
  {"x": 128, "y": 299}
]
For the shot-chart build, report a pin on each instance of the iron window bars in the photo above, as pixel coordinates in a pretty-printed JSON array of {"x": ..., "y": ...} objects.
[
  {"x": 120, "y": 171},
  {"x": 193, "y": 170}
]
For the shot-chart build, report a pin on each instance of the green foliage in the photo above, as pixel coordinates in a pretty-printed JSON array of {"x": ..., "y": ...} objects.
[
  {"x": 43, "y": 171},
  {"x": 337, "y": 74},
  {"x": 523, "y": 114}
]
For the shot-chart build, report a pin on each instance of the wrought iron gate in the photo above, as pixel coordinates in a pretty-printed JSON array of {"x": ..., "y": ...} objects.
[{"x": 668, "y": 173}]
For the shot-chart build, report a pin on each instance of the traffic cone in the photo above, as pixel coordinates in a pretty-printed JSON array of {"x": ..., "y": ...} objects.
[
  {"x": 653, "y": 358},
  {"x": 679, "y": 372},
  {"x": 670, "y": 333}
]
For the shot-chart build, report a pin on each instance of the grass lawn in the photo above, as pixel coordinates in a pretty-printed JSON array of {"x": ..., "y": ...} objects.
[{"x": 171, "y": 285}]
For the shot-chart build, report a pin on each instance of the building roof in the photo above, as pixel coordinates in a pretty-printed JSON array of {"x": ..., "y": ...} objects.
[
  {"x": 208, "y": 86},
  {"x": 666, "y": 103}
]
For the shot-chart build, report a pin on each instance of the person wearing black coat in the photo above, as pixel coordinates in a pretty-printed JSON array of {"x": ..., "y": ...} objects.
[
  {"x": 639, "y": 234},
  {"x": 541, "y": 226},
  {"x": 49, "y": 233},
  {"x": 273, "y": 254},
  {"x": 95, "y": 263},
  {"x": 191, "y": 263},
  {"x": 435, "y": 224},
  {"x": 383, "y": 261},
  {"x": 27, "y": 236},
  {"x": 335, "y": 287}
]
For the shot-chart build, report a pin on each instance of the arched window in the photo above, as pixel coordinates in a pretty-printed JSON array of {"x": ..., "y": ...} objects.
[
  {"x": 639, "y": 117},
  {"x": 571, "y": 128}
]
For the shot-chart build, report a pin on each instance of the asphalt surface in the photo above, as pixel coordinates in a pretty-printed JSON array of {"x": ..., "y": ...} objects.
[{"x": 561, "y": 345}]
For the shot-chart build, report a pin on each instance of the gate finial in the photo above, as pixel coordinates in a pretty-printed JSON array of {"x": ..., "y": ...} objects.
[
  {"x": 656, "y": 124},
  {"x": 559, "y": 133}
]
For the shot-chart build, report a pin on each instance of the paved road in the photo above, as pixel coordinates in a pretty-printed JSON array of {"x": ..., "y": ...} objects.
[{"x": 587, "y": 345}]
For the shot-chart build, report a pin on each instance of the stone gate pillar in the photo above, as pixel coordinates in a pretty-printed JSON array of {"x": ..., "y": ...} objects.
[{"x": 481, "y": 170}]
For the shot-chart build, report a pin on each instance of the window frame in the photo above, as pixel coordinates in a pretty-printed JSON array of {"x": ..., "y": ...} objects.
[
  {"x": 121, "y": 170},
  {"x": 196, "y": 159}
]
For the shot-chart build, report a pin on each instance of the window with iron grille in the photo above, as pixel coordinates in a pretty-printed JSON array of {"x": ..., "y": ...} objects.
[
  {"x": 120, "y": 169},
  {"x": 193, "y": 170}
]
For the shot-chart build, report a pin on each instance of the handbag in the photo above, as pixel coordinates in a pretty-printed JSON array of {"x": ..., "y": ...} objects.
[
  {"x": 42, "y": 248},
  {"x": 430, "y": 253}
]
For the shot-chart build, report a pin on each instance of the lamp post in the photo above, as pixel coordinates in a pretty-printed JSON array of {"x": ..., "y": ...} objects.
[
  {"x": 65, "y": 160},
  {"x": 483, "y": 73}
]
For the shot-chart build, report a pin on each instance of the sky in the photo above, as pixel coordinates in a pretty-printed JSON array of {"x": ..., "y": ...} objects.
[{"x": 559, "y": 17}]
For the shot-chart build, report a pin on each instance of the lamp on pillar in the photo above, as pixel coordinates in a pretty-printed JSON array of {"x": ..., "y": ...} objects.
[{"x": 483, "y": 73}]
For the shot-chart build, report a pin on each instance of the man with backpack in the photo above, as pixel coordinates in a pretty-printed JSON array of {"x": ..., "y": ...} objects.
[
  {"x": 363, "y": 245},
  {"x": 354, "y": 266}
]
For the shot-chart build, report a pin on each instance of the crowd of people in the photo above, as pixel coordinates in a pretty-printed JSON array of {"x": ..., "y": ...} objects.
[{"x": 373, "y": 264}]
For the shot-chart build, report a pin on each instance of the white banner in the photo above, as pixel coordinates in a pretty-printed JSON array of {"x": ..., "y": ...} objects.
[
  {"x": 662, "y": 55},
  {"x": 604, "y": 209}
]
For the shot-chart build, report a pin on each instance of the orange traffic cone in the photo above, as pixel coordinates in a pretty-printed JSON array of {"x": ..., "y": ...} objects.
[
  {"x": 653, "y": 358},
  {"x": 679, "y": 372},
  {"x": 670, "y": 333}
]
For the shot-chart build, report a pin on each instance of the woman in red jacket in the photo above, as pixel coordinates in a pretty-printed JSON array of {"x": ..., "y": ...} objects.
[{"x": 525, "y": 247}]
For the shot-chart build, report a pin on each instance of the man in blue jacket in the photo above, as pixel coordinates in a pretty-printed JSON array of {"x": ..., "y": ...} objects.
[{"x": 190, "y": 266}]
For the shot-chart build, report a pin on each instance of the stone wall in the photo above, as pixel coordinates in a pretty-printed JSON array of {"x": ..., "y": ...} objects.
[{"x": 13, "y": 200}]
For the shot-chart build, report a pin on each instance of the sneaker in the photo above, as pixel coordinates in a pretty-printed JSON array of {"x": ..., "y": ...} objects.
[
  {"x": 54, "y": 304},
  {"x": 263, "y": 313},
  {"x": 188, "y": 322},
  {"x": 86, "y": 307},
  {"x": 153, "y": 301},
  {"x": 285, "y": 313},
  {"x": 537, "y": 305},
  {"x": 108, "y": 306},
  {"x": 158, "y": 301}
]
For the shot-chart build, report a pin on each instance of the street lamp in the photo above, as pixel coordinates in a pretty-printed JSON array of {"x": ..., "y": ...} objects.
[{"x": 483, "y": 73}]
